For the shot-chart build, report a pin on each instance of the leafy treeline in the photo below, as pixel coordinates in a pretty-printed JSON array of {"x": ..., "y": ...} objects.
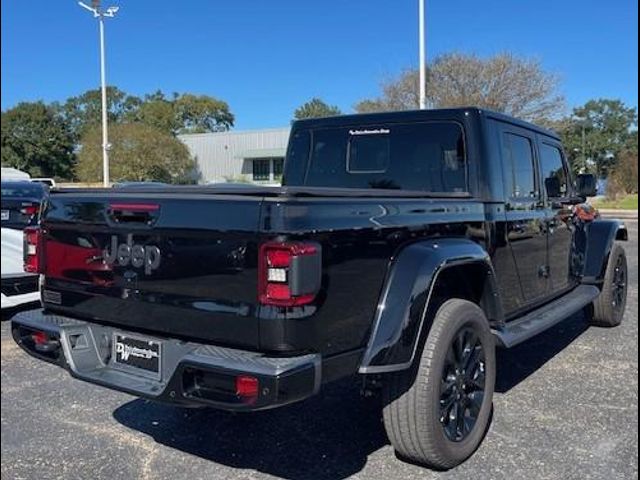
[
  {"x": 600, "y": 136},
  {"x": 63, "y": 140}
]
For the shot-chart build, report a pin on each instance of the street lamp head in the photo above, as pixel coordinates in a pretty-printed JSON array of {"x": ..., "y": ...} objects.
[
  {"x": 87, "y": 7},
  {"x": 95, "y": 9}
]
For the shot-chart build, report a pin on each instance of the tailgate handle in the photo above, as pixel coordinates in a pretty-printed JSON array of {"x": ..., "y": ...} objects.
[{"x": 146, "y": 213}]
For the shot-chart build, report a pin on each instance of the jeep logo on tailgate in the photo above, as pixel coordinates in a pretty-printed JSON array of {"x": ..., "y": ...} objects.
[{"x": 136, "y": 255}]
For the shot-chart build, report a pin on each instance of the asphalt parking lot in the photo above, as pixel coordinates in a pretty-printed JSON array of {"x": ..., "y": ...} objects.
[{"x": 566, "y": 408}]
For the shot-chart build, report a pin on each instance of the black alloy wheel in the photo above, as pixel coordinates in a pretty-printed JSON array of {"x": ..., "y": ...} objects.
[
  {"x": 619, "y": 287},
  {"x": 463, "y": 385}
]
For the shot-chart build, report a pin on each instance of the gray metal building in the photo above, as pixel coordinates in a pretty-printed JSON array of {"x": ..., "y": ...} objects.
[{"x": 251, "y": 155}]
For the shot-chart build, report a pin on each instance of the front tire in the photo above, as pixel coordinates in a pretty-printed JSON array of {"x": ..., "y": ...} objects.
[
  {"x": 608, "y": 308},
  {"x": 437, "y": 413}
]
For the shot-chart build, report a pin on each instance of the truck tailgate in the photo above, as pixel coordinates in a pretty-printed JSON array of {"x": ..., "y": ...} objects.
[{"x": 159, "y": 263}]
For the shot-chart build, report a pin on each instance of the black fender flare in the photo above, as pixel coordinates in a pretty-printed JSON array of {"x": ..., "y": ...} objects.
[
  {"x": 601, "y": 235},
  {"x": 400, "y": 319}
]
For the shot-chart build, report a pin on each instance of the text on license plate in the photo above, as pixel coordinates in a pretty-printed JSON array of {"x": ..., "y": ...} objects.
[{"x": 137, "y": 352}]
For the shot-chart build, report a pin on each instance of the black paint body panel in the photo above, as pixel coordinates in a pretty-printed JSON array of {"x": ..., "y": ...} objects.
[{"x": 205, "y": 287}]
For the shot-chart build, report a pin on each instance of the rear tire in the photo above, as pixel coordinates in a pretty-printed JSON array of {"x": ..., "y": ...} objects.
[
  {"x": 454, "y": 378},
  {"x": 608, "y": 308}
]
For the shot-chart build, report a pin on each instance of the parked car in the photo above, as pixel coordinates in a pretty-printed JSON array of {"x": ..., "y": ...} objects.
[
  {"x": 400, "y": 251},
  {"x": 49, "y": 182},
  {"x": 9, "y": 173},
  {"x": 18, "y": 288},
  {"x": 21, "y": 202}
]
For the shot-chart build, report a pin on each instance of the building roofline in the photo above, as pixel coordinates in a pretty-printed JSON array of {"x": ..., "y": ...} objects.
[{"x": 235, "y": 132}]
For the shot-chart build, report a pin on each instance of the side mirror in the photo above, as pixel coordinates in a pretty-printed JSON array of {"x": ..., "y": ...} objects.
[{"x": 586, "y": 185}]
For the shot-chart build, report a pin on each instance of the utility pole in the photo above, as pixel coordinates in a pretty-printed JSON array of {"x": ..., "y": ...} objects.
[
  {"x": 101, "y": 15},
  {"x": 423, "y": 60},
  {"x": 584, "y": 146}
]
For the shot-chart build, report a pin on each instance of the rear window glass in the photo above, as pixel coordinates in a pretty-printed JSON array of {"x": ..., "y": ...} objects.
[
  {"x": 368, "y": 153},
  {"x": 419, "y": 156},
  {"x": 22, "y": 190}
]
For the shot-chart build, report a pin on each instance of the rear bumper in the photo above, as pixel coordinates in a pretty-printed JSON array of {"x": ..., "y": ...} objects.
[
  {"x": 19, "y": 289},
  {"x": 191, "y": 374}
]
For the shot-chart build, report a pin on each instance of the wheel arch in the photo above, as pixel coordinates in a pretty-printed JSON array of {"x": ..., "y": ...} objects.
[
  {"x": 421, "y": 276},
  {"x": 601, "y": 235}
]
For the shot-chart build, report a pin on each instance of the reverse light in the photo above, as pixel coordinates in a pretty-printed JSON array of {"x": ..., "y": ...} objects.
[
  {"x": 289, "y": 273},
  {"x": 277, "y": 275},
  {"x": 32, "y": 250}
]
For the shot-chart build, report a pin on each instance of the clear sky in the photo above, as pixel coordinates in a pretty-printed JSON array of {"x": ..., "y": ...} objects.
[{"x": 266, "y": 57}]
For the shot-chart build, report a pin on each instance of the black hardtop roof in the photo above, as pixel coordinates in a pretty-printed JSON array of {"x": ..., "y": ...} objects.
[{"x": 417, "y": 115}]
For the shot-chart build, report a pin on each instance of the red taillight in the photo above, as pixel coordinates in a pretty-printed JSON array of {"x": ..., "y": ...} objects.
[
  {"x": 32, "y": 250},
  {"x": 247, "y": 388},
  {"x": 29, "y": 210},
  {"x": 39, "y": 338},
  {"x": 289, "y": 273},
  {"x": 278, "y": 257}
]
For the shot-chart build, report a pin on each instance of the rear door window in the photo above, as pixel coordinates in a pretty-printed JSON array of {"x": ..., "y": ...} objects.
[{"x": 520, "y": 166}]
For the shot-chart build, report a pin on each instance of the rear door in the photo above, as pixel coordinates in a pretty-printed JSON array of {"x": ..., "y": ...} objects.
[
  {"x": 555, "y": 175},
  {"x": 524, "y": 209}
]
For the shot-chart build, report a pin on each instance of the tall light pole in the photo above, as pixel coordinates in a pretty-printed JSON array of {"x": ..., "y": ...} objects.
[
  {"x": 423, "y": 60},
  {"x": 584, "y": 145},
  {"x": 101, "y": 15},
  {"x": 583, "y": 121}
]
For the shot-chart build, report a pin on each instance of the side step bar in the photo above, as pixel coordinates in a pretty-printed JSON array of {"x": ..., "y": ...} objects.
[{"x": 545, "y": 317}]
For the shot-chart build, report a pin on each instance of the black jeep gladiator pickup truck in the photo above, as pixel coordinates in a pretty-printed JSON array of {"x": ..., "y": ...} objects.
[{"x": 401, "y": 249}]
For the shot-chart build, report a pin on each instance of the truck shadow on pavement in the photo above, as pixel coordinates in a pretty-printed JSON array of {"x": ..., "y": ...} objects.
[
  {"x": 328, "y": 437},
  {"x": 517, "y": 364}
]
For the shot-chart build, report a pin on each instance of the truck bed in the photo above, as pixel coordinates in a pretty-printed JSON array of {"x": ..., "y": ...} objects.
[{"x": 205, "y": 286}]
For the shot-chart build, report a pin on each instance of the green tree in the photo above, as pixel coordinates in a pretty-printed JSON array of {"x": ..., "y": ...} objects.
[
  {"x": 597, "y": 132},
  {"x": 158, "y": 112},
  {"x": 138, "y": 153},
  {"x": 202, "y": 113},
  {"x": 624, "y": 178},
  {"x": 35, "y": 139},
  {"x": 316, "y": 108},
  {"x": 504, "y": 83},
  {"x": 184, "y": 113},
  {"x": 85, "y": 111}
]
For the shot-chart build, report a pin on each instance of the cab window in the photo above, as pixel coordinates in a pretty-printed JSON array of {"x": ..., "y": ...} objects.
[{"x": 519, "y": 164}]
